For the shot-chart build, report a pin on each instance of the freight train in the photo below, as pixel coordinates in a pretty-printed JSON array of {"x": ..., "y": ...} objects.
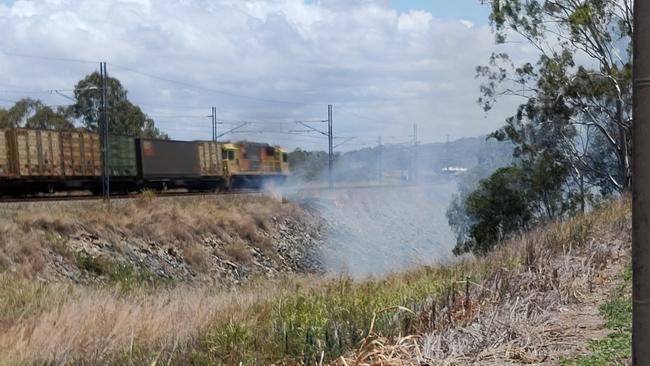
[{"x": 43, "y": 161}]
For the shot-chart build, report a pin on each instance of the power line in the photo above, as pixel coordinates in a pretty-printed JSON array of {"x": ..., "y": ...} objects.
[
  {"x": 259, "y": 122},
  {"x": 62, "y": 59},
  {"x": 345, "y": 110},
  {"x": 65, "y": 96},
  {"x": 217, "y": 91},
  {"x": 24, "y": 91},
  {"x": 163, "y": 116},
  {"x": 8, "y": 100},
  {"x": 178, "y": 82}
]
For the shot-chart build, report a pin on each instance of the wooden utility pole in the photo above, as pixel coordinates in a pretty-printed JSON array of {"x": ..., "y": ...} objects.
[{"x": 641, "y": 187}]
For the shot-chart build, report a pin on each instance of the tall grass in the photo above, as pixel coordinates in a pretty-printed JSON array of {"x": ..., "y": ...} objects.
[{"x": 288, "y": 320}]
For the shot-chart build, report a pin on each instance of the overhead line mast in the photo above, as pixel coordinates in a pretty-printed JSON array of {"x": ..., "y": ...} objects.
[
  {"x": 214, "y": 123},
  {"x": 106, "y": 192},
  {"x": 330, "y": 138}
]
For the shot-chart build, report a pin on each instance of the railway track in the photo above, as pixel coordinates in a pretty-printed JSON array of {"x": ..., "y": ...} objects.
[{"x": 118, "y": 197}]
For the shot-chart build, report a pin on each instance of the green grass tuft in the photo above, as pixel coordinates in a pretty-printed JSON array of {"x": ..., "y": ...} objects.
[{"x": 125, "y": 275}]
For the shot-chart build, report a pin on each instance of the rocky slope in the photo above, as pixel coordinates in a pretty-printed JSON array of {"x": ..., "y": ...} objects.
[{"x": 219, "y": 241}]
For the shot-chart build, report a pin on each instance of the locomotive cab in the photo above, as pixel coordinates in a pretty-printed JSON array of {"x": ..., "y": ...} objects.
[
  {"x": 230, "y": 159},
  {"x": 254, "y": 165},
  {"x": 284, "y": 161}
]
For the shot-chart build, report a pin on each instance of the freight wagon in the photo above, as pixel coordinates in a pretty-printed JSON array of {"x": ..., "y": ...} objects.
[
  {"x": 36, "y": 161},
  {"x": 167, "y": 164},
  {"x": 46, "y": 161}
]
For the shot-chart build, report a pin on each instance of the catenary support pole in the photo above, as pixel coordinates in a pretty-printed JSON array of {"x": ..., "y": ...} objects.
[
  {"x": 214, "y": 123},
  {"x": 330, "y": 138},
  {"x": 380, "y": 152},
  {"x": 415, "y": 153},
  {"x": 101, "y": 125},
  {"x": 641, "y": 187},
  {"x": 104, "y": 133}
]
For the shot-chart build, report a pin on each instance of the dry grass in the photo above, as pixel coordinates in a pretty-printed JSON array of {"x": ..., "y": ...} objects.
[
  {"x": 294, "y": 320},
  {"x": 59, "y": 324},
  {"x": 30, "y": 235},
  {"x": 196, "y": 256},
  {"x": 239, "y": 252},
  {"x": 510, "y": 317}
]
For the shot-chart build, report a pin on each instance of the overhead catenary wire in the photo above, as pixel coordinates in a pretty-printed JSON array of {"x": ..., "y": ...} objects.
[
  {"x": 172, "y": 120},
  {"x": 211, "y": 90},
  {"x": 168, "y": 80},
  {"x": 160, "y": 117},
  {"x": 8, "y": 100},
  {"x": 61, "y": 59}
]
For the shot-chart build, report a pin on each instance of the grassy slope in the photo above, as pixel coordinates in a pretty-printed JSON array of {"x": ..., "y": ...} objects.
[
  {"x": 292, "y": 319},
  {"x": 183, "y": 238}
]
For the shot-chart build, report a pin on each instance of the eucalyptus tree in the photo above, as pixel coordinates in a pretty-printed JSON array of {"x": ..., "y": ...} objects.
[
  {"x": 577, "y": 94},
  {"x": 33, "y": 113},
  {"x": 125, "y": 118}
]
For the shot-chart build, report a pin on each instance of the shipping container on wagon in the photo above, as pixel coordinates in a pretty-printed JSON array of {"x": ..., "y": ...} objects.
[
  {"x": 5, "y": 162},
  {"x": 122, "y": 157},
  {"x": 35, "y": 153},
  {"x": 210, "y": 158},
  {"x": 161, "y": 159},
  {"x": 81, "y": 152}
]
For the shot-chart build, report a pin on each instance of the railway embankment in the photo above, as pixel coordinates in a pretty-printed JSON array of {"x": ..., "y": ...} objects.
[
  {"x": 220, "y": 240},
  {"x": 549, "y": 296}
]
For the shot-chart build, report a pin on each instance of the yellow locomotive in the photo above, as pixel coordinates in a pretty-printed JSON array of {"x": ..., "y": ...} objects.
[{"x": 252, "y": 165}]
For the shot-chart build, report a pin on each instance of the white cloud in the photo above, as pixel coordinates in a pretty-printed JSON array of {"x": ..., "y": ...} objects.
[
  {"x": 382, "y": 70},
  {"x": 467, "y": 23}
]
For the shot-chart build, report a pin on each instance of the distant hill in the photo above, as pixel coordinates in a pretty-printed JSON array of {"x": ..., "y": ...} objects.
[
  {"x": 396, "y": 162},
  {"x": 429, "y": 160}
]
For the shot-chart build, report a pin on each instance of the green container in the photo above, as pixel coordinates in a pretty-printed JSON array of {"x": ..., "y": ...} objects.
[{"x": 122, "y": 157}]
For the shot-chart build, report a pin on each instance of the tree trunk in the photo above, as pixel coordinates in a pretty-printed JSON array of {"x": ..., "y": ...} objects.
[{"x": 623, "y": 150}]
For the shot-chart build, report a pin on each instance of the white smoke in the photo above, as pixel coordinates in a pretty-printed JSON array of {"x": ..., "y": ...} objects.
[{"x": 376, "y": 231}]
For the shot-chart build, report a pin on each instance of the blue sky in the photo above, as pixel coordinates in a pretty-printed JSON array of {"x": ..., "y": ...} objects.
[
  {"x": 450, "y": 9},
  {"x": 471, "y": 10}
]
